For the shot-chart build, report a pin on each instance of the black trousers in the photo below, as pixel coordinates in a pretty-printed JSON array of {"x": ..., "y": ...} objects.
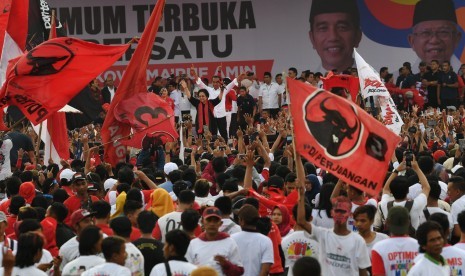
[
  {"x": 233, "y": 125},
  {"x": 219, "y": 124}
]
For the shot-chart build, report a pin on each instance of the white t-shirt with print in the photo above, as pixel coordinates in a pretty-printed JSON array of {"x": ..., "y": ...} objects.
[
  {"x": 202, "y": 252},
  {"x": 176, "y": 267},
  {"x": 135, "y": 260},
  {"x": 340, "y": 255},
  {"x": 26, "y": 271},
  {"x": 396, "y": 255},
  {"x": 108, "y": 269},
  {"x": 455, "y": 258},
  {"x": 296, "y": 246},
  {"x": 5, "y": 165},
  {"x": 81, "y": 264},
  {"x": 379, "y": 237},
  {"x": 255, "y": 249},
  {"x": 169, "y": 222}
]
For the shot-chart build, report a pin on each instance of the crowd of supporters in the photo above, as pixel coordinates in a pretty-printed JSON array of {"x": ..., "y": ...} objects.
[{"x": 232, "y": 197}]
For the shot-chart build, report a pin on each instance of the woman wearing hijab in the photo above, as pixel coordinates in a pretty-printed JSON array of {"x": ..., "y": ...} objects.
[
  {"x": 120, "y": 201},
  {"x": 282, "y": 219},
  {"x": 161, "y": 203}
]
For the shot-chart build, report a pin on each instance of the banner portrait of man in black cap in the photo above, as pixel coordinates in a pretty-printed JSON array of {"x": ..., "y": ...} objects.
[
  {"x": 434, "y": 30},
  {"x": 335, "y": 32}
]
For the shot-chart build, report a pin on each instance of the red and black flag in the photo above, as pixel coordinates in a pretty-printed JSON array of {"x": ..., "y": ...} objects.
[
  {"x": 147, "y": 118},
  {"x": 43, "y": 80},
  {"x": 340, "y": 137}
]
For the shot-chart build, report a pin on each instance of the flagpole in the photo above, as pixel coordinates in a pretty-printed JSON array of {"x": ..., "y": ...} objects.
[
  {"x": 38, "y": 143},
  {"x": 292, "y": 122},
  {"x": 128, "y": 136}
]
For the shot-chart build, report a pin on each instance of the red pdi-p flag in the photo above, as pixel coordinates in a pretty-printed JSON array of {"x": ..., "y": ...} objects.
[
  {"x": 134, "y": 81},
  {"x": 338, "y": 136},
  {"x": 43, "y": 80},
  {"x": 149, "y": 116}
]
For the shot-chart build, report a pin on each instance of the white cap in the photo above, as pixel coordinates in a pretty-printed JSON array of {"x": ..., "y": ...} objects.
[
  {"x": 67, "y": 174},
  {"x": 169, "y": 167},
  {"x": 109, "y": 183}
]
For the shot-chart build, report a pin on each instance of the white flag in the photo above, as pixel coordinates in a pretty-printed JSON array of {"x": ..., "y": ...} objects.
[{"x": 371, "y": 85}]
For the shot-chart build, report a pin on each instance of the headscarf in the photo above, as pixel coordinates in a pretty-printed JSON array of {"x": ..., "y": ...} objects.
[
  {"x": 161, "y": 202},
  {"x": 28, "y": 191},
  {"x": 120, "y": 201},
  {"x": 285, "y": 225}
]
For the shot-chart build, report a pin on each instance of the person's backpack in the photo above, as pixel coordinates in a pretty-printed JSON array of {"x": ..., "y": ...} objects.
[{"x": 408, "y": 206}]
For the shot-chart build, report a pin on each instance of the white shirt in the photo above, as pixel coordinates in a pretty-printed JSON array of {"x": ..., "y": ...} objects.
[
  {"x": 112, "y": 92},
  {"x": 220, "y": 109},
  {"x": 351, "y": 220},
  {"x": 296, "y": 246},
  {"x": 397, "y": 254},
  {"x": 455, "y": 258},
  {"x": 425, "y": 267},
  {"x": 255, "y": 249},
  {"x": 321, "y": 219},
  {"x": 230, "y": 226},
  {"x": 416, "y": 189},
  {"x": 270, "y": 94},
  {"x": 5, "y": 159},
  {"x": 419, "y": 203},
  {"x": 184, "y": 103},
  {"x": 26, "y": 271},
  {"x": 202, "y": 252},
  {"x": 176, "y": 96},
  {"x": 378, "y": 237},
  {"x": 433, "y": 210},
  {"x": 69, "y": 251},
  {"x": 108, "y": 269},
  {"x": 135, "y": 260},
  {"x": 176, "y": 267},
  {"x": 169, "y": 222},
  {"x": 457, "y": 207},
  {"x": 340, "y": 255},
  {"x": 77, "y": 266},
  {"x": 460, "y": 245}
]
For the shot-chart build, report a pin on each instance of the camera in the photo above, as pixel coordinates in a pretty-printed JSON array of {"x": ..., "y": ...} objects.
[
  {"x": 253, "y": 137},
  {"x": 288, "y": 140},
  {"x": 408, "y": 157},
  {"x": 432, "y": 123},
  {"x": 222, "y": 148},
  {"x": 187, "y": 150}
]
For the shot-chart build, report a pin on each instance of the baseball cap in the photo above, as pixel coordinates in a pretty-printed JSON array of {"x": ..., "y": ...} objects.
[
  {"x": 78, "y": 176},
  {"x": 67, "y": 174},
  {"x": 109, "y": 183},
  {"x": 169, "y": 167},
  {"x": 2, "y": 216},
  {"x": 211, "y": 212},
  {"x": 92, "y": 187},
  {"x": 79, "y": 215}
]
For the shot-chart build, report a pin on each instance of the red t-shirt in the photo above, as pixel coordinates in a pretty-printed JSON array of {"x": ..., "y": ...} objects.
[
  {"x": 74, "y": 203},
  {"x": 135, "y": 234},
  {"x": 10, "y": 228},
  {"x": 49, "y": 226},
  {"x": 105, "y": 229}
]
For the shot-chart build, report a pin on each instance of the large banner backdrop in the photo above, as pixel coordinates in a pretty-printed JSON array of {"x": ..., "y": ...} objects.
[{"x": 258, "y": 35}]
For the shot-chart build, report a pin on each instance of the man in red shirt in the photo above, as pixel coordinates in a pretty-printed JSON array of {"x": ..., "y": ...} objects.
[{"x": 81, "y": 200}]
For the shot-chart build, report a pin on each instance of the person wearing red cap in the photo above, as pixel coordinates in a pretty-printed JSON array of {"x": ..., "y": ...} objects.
[
  {"x": 81, "y": 200},
  {"x": 80, "y": 219},
  {"x": 215, "y": 248}
]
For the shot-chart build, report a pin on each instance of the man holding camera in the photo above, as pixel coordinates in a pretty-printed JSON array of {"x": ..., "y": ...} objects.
[{"x": 399, "y": 188}]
